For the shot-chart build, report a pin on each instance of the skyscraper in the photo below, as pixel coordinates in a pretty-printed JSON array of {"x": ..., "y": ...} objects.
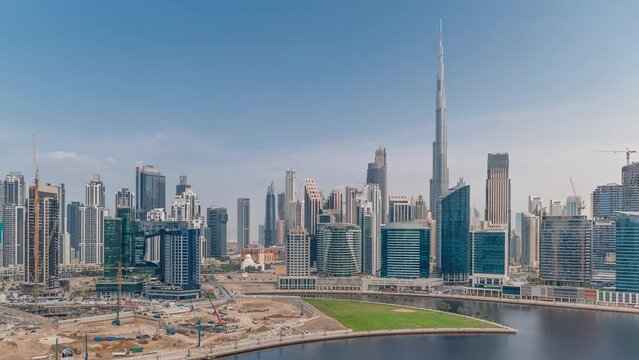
[
  {"x": 603, "y": 251},
  {"x": 370, "y": 228},
  {"x": 180, "y": 258},
  {"x": 186, "y": 207},
  {"x": 281, "y": 206},
  {"x": 150, "y": 189},
  {"x": 290, "y": 199},
  {"x": 405, "y": 250},
  {"x": 606, "y": 200},
  {"x": 420, "y": 211},
  {"x": 13, "y": 217},
  {"x": 439, "y": 181},
  {"x": 182, "y": 185},
  {"x": 243, "y": 223},
  {"x": 565, "y": 250},
  {"x": 350, "y": 205},
  {"x": 125, "y": 198},
  {"x": 216, "y": 220},
  {"x": 377, "y": 173},
  {"x": 92, "y": 234},
  {"x": 498, "y": 190},
  {"x": 339, "y": 250},
  {"x": 630, "y": 187},
  {"x": 270, "y": 217},
  {"x": 489, "y": 254},
  {"x": 335, "y": 200},
  {"x": 113, "y": 246},
  {"x": 92, "y": 216},
  {"x": 530, "y": 227},
  {"x": 573, "y": 205},
  {"x": 298, "y": 255},
  {"x": 453, "y": 209},
  {"x": 535, "y": 204},
  {"x": 94, "y": 192},
  {"x": 400, "y": 209},
  {"x": 312, "y": 206},
  {"x": 557, "y": 208},
  {"x": 43, "y": 268},
  {"x": 627, "y": 248}
]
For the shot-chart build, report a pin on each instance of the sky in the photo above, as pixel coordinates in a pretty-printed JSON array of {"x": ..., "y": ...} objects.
[{"x": 232, "y": 93}]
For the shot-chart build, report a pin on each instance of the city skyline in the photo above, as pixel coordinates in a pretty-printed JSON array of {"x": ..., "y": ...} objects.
[{"x": 502, "y": 117}]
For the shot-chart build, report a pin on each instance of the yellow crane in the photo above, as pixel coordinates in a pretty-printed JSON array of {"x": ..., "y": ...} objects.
[
  {"x": 36, "y": 215},
  {"x": 627, "y": 151}
]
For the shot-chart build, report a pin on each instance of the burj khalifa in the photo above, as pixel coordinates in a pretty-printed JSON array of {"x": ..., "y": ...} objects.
[{"x": 439, "y": 181}]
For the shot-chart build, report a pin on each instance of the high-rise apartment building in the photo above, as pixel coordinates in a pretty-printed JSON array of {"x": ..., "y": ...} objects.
[
  {"x": 125, "y": 198},
  {"x": 42, "y": 255},
  {"x": 186, "y": 207},
  {"x": 420, "y": 210},
  {"x": 290, "y": 196},
  {"x": 498, "y": 190},
  {"x": 350, "y": 205},
  {"x": 298, "y": 256},
  {"x": 627, "y": 250},
  {"x": 371, "y": 245},
  {"x": 94, "y": 192},
  {"x": 216, "y": 220},
  {"x": 630, "y": 187},
  {"x": 605, "y": 201},
  {"x": 565, "y": 250},
  {"x": 92, "y": 234},
  {"x": 530, "y": 230},
  {"x": 312, "y": 206},
  {"x": 557, "y": 208},
  {"x": 377, "y": 173},
  {"x": 280, "y": 233},
  {"x": 573, "y": 205},
  {"x": 535, "y": 204},
  {"x": 405, "y": 250},
  {"x": 335, "y": 201},
  {"x": 400, "y": 209},
  {"x": 243, "y": 223},
  {"x": 180, "y": 258},
  {"x": 13, "y": 219},
  {"x": 150, "y": 190},
  {"x": 339, "y": 250},
  {"x": 270, "y": 217},
  {"x": 453, "y": 209},
  {"x": 281, "y": 206}
]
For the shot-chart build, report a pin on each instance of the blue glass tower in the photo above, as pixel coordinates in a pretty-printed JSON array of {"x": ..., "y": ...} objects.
[
  {"x": 454, "y": 229},
  {"x": 405, "y": 250},
  {"x": 627, "y": 245}
]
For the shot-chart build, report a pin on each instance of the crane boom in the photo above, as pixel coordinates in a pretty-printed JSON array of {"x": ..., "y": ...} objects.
[
  {"x": 627, "y": 151},
  {"x": 219, "y": 319}
]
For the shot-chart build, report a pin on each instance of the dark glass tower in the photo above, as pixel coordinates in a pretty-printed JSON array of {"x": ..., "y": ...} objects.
[
  {"x": 150, "y": 190},
  {"x": 269, "y": 217},
  {"x": 454, "y": 234},
  {"x": 216, "y": 220},
  {"x": 627, "y": 244}
]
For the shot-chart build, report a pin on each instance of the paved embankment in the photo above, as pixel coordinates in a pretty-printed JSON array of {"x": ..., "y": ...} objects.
[{"x": 259, "y": 343}]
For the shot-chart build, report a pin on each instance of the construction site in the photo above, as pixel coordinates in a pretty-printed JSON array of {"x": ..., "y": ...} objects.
[{"x": 158, "y": 327}]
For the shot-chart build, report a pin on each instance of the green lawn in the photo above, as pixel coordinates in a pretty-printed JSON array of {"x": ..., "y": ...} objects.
[{"x": 361, "y": 316}]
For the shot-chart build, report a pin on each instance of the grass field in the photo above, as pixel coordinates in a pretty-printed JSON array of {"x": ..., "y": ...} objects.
[{"x": 361, "y": 316}]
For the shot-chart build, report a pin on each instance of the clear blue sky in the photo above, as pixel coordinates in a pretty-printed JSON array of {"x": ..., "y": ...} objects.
[{"x": 233, "y": 92}]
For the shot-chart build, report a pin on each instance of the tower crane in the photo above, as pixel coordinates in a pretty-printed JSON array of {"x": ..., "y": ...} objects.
[
  {"x": 116, "y": 322},
  {"x": 627, "y": 151},
  {"x": 581, "y": 205}
]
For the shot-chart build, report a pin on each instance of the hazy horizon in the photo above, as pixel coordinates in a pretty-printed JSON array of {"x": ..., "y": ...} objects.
[{"x": 233, "y": 93}]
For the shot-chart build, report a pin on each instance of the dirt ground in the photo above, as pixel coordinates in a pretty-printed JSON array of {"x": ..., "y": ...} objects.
[
  {"x": 255, "y": 282},
  {"x": 247, "y": 317}
]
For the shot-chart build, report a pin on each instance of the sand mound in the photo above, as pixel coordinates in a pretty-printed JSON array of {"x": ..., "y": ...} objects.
[{"x": 404, "y": 310}]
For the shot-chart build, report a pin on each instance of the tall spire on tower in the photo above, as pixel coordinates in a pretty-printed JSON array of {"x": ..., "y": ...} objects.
[{"x": 439, "y": 181}]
